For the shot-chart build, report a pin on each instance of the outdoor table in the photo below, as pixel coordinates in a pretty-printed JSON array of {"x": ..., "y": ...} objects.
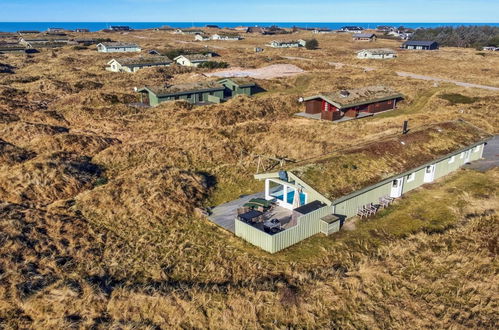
[{"x": 249, "y": 216}]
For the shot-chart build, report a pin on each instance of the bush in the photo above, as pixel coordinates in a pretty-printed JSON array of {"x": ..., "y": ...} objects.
[
  {"x": 455, "y": 98},
  {"x": 214, "y": 65},
  {"x": 461, "y": 36},
  {"x": 312, "y": 44}
]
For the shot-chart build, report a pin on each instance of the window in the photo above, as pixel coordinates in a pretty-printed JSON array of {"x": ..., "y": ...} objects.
[
  {"x": 201, "y": 97},
  {"x": 461, "y": 156},
  {"x": 395, "y": 183},
  {"x": 429, "y": 169},
  {"x": 452, "y": 159},
  {"x": 411, "y": 177}
]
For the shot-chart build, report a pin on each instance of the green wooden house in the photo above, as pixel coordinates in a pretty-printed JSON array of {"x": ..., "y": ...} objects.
[
  {"x": 343, "y": 182},
  {"x": 238, "y": 86},
  {"x": 200, "y": 93},
  {"x": 197, "y": 93}
]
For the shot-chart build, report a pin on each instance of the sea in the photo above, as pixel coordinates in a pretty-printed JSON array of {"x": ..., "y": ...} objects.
[{"x": 96, "y": 26}]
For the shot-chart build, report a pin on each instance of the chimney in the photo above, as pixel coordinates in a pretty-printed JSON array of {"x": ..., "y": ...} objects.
[
  {"x": 405, "y": 129},
  {"x": 344, "y": 93}
]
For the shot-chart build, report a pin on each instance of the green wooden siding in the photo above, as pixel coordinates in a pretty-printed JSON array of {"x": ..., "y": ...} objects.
[
  {"x": 191, "y": 97},
  {"x": 308, "y": 225},
  {"x": 350, "y": 206},
  {"x": 254, "y": 236},
  {"x": 418, "y": 181}
]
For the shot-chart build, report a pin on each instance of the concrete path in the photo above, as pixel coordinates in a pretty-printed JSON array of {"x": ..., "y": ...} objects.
[
  {"x": 224, "y": 214},
  {"x": 490, "y": 156}
]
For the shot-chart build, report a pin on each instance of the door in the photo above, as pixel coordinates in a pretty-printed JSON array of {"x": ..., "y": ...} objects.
[
  {"x": 467, "y": 156},
  {"x": 429, "y": 173},
  {"x": 396, "y": 190}
]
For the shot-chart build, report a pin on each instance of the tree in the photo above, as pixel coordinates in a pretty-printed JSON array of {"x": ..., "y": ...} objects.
[{"x": 312, "y": 44}]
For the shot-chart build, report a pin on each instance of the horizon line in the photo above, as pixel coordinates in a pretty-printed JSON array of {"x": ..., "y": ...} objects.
[{"x": 207, "y": 21}]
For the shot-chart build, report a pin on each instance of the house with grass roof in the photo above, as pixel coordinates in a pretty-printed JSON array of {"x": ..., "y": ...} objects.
[
  {"x": 117, "y": 47},
  {"x": 317, "y": 196},
  {"x": 134, "y": 64},
  {"x": 192, "y": 59},
  {"x": 200, "y": 93},
  {"x": 376, "y": 53},
  {"x": 349, "y": 104}
]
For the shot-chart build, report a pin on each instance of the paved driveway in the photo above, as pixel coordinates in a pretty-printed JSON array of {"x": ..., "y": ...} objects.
[{"x": 490, "y": 156}]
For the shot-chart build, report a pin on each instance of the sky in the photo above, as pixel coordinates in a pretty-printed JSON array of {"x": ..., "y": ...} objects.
[{"x": 465, "y": 11}]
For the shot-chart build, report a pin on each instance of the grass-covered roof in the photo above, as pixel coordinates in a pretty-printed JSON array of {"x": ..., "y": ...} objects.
[{"x": 346, "y": 171}]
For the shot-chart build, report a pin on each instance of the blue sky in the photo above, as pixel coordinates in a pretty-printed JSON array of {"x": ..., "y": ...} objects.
[{"x": 250, "y": 11}]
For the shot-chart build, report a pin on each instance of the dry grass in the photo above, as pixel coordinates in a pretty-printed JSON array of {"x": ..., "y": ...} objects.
[{"x": 97, "y": 217}]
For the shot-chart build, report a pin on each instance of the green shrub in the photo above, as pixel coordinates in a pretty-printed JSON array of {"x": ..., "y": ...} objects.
[
  {"x": 455, "y": 98},
  {"x": 312, "y": 44},
  {"x": 214, "y": 65}
]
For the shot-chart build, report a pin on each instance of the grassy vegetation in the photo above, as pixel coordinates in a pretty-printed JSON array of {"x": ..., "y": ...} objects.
[
  {"x": 455, "y": 98},
  {"x": 129, "y": 251}
]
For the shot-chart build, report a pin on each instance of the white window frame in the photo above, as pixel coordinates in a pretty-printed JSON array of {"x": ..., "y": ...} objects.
[
  {"x": 452, "y": 159},
  {"x": 411, "y": 177}
]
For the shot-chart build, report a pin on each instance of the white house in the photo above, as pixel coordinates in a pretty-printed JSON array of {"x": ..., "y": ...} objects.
[
  {"x": 201, "y": 37},
  {"x": 134, "y": 64},
  {"x": 226, "y": 36},
  {"x": 288, "y": 44},
  {"x": 117, "y": 47},
  {"x": 192, "y": 60},
  {"x": 377, "y": 53}
]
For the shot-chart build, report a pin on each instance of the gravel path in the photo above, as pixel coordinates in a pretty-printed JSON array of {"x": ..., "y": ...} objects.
[
  {"x": 403, "y": 74},
  {"x": 459, "y": 83}
]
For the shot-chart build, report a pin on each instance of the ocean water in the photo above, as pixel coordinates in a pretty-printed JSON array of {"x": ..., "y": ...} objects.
[{"x": 96, "y": 26}]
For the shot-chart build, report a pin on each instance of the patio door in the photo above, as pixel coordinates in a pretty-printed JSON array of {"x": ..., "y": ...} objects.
[
  {"x": 429, "y": 173},
  {"x": 396, "y": 190}
]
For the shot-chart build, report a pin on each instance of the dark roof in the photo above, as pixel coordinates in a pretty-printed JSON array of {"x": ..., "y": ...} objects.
[
  {"x": 364, "y": 35},
  {"x": 419, "y": 43},
  {"x": 310, "y": 207}
]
